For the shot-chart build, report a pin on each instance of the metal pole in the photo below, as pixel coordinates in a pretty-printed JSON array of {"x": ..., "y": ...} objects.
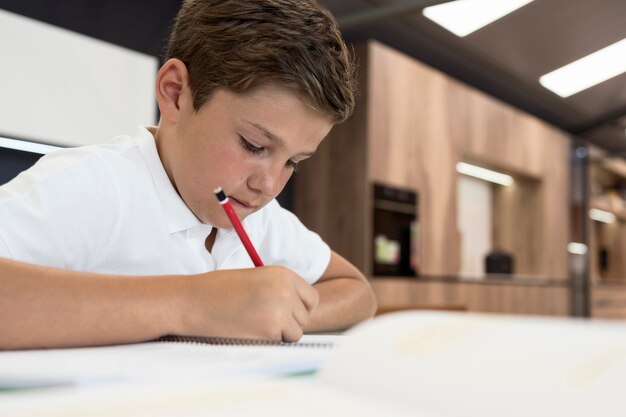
[{"x": 579, "y": 263}]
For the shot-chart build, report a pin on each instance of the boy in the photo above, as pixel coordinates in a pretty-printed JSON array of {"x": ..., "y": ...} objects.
[{"x": 125, "y": 242}]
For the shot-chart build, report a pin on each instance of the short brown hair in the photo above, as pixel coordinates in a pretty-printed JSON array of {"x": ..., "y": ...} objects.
[{"x": 242, "y": 44}]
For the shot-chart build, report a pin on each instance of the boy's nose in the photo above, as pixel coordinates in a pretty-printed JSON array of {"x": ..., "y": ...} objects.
[{"x": 269, "y": 181}]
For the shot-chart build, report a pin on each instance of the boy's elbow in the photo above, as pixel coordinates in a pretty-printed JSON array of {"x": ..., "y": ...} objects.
[
  {"x": 370, "y": 303},
  {"x": 373, "y": 304}
]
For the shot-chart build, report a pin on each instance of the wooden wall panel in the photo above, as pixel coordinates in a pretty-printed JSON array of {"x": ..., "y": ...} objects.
[
  {"x": 611, "y": 237},
  {"x": 412, "y": 126},
  {"x": 608, "y": 301},
  {"x": 411, "y": 147},
  {"x": 331, "y": 195},
  {"x": 502, "y": 137},
  {"x": 554, "y": 204},
  {"x": 517, "y": 224},
  {"x": 422, "y": 123},
  {"x": 606, "y": 179},
  {"x": 398, "y": 294}
]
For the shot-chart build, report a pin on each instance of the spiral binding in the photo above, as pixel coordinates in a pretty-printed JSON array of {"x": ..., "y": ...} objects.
[{"x": 228, "y": 341}]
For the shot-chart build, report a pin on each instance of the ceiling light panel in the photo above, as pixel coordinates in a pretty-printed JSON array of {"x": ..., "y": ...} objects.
[
  {"x": 463, "y": 17},
  {"x": 588, "y": 71}
]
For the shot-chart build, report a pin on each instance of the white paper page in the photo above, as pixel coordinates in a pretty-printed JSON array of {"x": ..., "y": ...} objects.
[
  {"x": 157, "y": 361},
  {"x": 268, "y": 398},
  {"x": 458, "y": 364},
  {"x": 322, "y": 339}
]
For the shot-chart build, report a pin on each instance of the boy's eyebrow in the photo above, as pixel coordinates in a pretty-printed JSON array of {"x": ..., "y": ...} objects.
[{"x": 274, "y": 138}]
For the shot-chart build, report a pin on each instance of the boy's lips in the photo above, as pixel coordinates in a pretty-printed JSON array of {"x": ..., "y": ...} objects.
[{"x": 243, "y": 203}]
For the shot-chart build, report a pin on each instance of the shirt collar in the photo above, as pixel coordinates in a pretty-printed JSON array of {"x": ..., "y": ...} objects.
[{"x": 177, "y": 215}]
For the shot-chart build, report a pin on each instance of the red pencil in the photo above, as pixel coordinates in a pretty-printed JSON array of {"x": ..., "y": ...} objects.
[{"x": 234, "y": 220}]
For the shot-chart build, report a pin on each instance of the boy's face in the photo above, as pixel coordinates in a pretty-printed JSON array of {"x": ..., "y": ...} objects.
[{"x": 247, "y": 144}]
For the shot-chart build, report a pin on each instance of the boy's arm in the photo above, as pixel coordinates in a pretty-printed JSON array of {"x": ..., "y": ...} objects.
[
  {"x": 47, "y": 307},
  {"x": 345, "y": 297}
]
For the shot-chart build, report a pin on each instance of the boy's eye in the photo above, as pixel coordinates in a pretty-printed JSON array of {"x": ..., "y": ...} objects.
[
  {"x": 249, "y": 146},
  {"x": 253, "y": 149}
]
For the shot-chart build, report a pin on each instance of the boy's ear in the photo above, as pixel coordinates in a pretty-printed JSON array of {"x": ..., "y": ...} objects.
[{"x": 172, "y": 88}]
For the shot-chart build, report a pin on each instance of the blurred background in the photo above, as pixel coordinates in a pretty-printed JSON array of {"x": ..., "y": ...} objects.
[{"x": 483, "y": 169}]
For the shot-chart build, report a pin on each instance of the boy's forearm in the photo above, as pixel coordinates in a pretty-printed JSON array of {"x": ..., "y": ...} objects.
[
  {"x": 45, "y": 307},
  {"x": 343, "y": 302}
]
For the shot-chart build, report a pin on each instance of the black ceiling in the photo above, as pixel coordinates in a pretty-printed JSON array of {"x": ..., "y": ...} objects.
[{"x": 504, "y": 59}]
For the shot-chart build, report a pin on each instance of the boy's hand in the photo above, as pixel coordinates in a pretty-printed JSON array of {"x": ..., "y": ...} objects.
[{"x": 269, "y": 302}]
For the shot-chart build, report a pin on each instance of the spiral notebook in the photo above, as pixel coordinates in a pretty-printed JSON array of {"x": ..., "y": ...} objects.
[
  {"x": 324, "y": 341},
  {"x": 187, "y": 358}
]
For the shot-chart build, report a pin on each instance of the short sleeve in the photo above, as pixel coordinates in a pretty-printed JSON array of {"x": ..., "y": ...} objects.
[
  {"x": 58, "y": 214},
  {"x": 289, "y": 243},
  {"x": 4, "y": 249}
]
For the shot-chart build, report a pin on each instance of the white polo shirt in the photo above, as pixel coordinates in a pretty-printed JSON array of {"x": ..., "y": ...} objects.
[{"x": 111, "y": 208}]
